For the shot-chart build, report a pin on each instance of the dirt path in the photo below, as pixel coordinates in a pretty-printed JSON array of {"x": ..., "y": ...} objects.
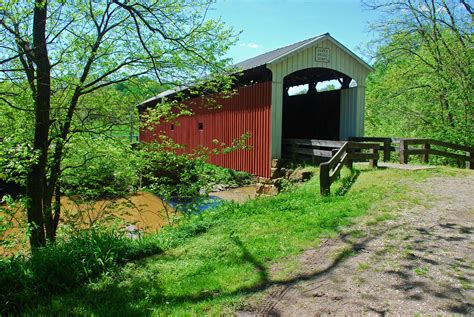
[{"x": 421, "y": 262}]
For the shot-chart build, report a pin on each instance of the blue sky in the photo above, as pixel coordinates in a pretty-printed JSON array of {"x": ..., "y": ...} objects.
[{"x": 270, "y": 24}]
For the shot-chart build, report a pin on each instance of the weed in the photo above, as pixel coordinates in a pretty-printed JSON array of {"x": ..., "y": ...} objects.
[
  {"x": 380, "y": 218},
  {"x": 421, "y": 271},
  {"x": 363, "y": 266},
  {"x": 466, "y": 284},
  {"x": 357, "y": 233},
  {"x": 345, "y": 253}
]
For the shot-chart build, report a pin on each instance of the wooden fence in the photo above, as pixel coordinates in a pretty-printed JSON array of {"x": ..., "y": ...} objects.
[
  {"x": 341, "y": 153},
  {"x": 423, "y": 147},
  {"x": 426, "y": 150},
  {"x": 345, "y": 156},
  {"x": 386, "y": 145}
]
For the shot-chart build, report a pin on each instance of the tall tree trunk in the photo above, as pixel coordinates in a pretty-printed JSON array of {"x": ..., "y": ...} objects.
[{"x": 37, "y": 175}]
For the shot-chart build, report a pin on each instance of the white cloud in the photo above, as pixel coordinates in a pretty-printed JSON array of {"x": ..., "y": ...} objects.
[{"x": 250, "y": 45}]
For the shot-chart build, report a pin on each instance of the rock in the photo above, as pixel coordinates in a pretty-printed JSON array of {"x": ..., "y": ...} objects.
[
  {"x": 280, "y": 183},
  {"x": 264, "y": 180},
  {"x": 267, "y": 189},
  {"x": 288, "y": 173},
  {"x": 276, "y": 163},
  {"x": 305, "y": 176},
  {"x": 276, "y": 173},
  {"x": 219, "y": 188},
  {"x": 300, "y": 176}
]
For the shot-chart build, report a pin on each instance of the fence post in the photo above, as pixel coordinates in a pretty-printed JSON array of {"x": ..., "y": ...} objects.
[
  {"x": 469, "y": 164},
  {"x": 386, "y": 150},
  {"x": 324, "y": 180},
  {"x": 403, "y": 152},
  {"x": 294, "y": 147},
  {"x": 425, "y": 156},
  {"x": 349, "y": 162},
  {"x": 373, "y": 161}
]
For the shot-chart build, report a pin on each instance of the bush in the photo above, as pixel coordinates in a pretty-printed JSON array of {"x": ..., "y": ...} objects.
[
  {"x": 65, "y": 265},
  {"x": 169, "y": 173},
  {"x": 99, "y": 168},
  {"x": 216, "y": 175}
]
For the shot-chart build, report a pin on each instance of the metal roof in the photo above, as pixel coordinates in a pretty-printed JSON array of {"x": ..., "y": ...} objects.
[
  {"x": 266, "y": 58},
  {"x": 270, "y": 57}
]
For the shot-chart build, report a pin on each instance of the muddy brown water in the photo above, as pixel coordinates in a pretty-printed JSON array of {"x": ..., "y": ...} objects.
[{"x": 142, "y": 211}]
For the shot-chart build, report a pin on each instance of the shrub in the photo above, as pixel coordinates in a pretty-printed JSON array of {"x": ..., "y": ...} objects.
[
  {"x": 65, "y": 265},
  {"x": 166, "y": 170},
  {"x": 215, "y": 175},
  {"x": 169, "y": 171},
  {"x": 99, "y": 168}
]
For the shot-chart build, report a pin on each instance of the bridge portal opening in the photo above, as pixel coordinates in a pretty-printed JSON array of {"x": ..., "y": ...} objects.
[{"x": 312, "y": 103}]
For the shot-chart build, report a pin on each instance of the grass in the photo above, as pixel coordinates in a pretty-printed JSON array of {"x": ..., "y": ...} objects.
[
  {"x": 421, "y": 271},
  {"x": 363, "y": 266},
  {"x": 214, "y": 261}
]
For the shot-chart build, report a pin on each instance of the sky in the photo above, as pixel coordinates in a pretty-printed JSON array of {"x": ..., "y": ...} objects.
[{"x": 270, "y": 24}]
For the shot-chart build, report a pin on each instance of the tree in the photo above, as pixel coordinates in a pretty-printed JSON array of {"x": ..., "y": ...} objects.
[
  {"x": 424, "y": 73},
  {"x": 64, "y": 51}
]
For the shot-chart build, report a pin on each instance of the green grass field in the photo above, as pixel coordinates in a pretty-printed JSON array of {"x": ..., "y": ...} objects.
[{"x": 213, "y": 269}]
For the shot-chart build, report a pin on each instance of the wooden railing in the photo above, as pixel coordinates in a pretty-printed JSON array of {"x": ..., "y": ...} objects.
[
  {"x": 386, "y": 145},
  {"x": 425, "y": 151},
  {"x": 345, "y": 156},
  {"x": 342, "y": 153},
  {"x": 310, "y": 148},
  {"x": 402, "y": 145}
]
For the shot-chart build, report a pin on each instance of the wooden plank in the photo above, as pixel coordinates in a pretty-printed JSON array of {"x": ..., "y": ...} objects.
[
  {"x": 417, "y": 151},
  {"x": 453, "y": 146},
  {"x": 452, "y": 155},
  {"x": 311, "y": 142},
  {"x": 370, "y": 139},
  {"x": 373, "y": 162},
  {"x": 311, "y": 152},
  {"x": 386, "y": 150},
  {"x": 324, "y": 179},
  {"x": 363, "y": 156},
  {"x": 358, "y": 145},
  {"x": 338, "y": 156},
  {"x": 403, "y": 152},
  {"x": 415, "y": 141},
  {"x": 425, "y": 157},
  {"x": 337, "y": 170},
  {"x": 334, "y": 176}
]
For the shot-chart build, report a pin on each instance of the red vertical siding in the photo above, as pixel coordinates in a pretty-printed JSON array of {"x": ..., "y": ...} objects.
[{"x": 247, "y": 111}]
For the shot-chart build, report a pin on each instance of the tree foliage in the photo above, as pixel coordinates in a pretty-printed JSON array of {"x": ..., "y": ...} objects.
[
  {"x": 424, "y": 71},
  {"x": 57, "y": 57}
]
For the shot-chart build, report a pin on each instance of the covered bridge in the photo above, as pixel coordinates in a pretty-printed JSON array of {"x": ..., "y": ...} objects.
[{"x": 286, "y": 95}]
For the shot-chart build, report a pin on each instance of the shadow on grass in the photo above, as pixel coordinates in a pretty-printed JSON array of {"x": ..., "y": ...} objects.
[
  {"x": 140, "y": 294},
  {"x": 347, "y": 182}
]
